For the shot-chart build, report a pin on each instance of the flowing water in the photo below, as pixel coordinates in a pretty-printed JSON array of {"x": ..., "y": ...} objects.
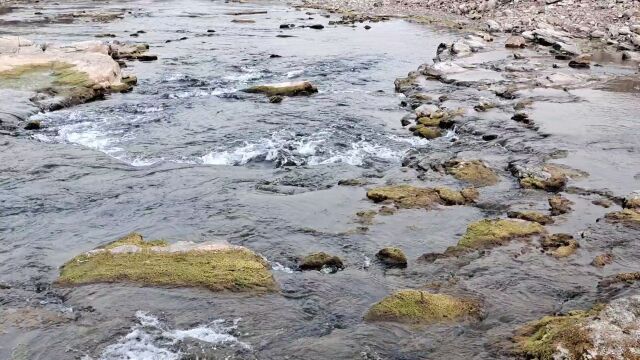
[{"x": 186, "y": 156}]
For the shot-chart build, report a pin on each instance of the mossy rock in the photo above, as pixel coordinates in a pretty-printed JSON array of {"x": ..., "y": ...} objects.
[
  {"x": 628, "y": 217},
  {"x": 428, "y": 132},
  {"x": 474, "y": 172},
  {"x": 320, "y": 260},
  {"x": 54, "y": 73},
  {"x": 156, "y": 263},
  {"x": 632, "y": 202},
  {"x": 366, "y": 217},
  {"x": 421, "y": 307},
  {"x": 284, "y": 89},
  {"x": 392, "y": 257},
  {"x": 411, "y": 197},
  {"x": 429, "y": 121},
  {"x": 559, "y": 205},
  {"x": 540, "y": 339},
  {"x": 602, "y": 260},
  {"x": 560, "y": 245},
  {"x": 627, "y": 277},
  {"x": 534, "y": 216},
  {"x": 492, "y": 232}
]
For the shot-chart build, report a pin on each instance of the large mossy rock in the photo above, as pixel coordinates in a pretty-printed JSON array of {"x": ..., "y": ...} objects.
[
  {"x": 284, "y": 89},
  {"x": 392, "y": 257},
  {"x": 493, "y": 232},
  {"x": 321, "y": 260},
  {"x": 411, "y": 197},
  {"x": 421, "y": 307},
  {"x": 604, "y": 332},
  {"x": 214, "y": 266},
  {"x": 474, "y": 172}
]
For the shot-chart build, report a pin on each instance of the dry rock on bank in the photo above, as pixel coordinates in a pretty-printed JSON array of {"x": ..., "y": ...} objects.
[
  {"x": 213, "y": 265},
  {"x": 604, "y": 332},
  {"x": 51, "y": 77}
]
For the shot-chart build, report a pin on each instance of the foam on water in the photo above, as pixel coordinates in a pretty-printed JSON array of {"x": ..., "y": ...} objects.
[{"x": 151, "y": 339}]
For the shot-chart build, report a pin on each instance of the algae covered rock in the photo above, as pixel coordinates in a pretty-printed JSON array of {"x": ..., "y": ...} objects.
[
  {"x": 534, "y": 216},
  {"x": 411, "y": 197},
  {"x": 559, "y": 205},
  {"x": 604, "y": 332},
  {"x": 320, "y": 261},
  {"x": 474, "y": 172},
  {"x": 392, "y": 257},
  {"x": 560, "y": 245},
  {"x": 602, "y": 260},
  {"x": 492, "y": 232},
  {"x": 421, "y": 307},
  {"x": 284, "y": 89},
  {"x": 428, "y": 132},
  {"x": 212, "y": 265},
  {"x": 628, "y": 217}
]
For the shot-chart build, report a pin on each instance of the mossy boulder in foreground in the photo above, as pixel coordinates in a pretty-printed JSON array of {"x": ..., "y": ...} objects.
[
  {"x": 210, "y": 265},
  {"x": 603, "y": 332},
  {"x": 421, "y": 307},
  {"x": 411, "y": 197},
  {"x": 284, "y": 89}
]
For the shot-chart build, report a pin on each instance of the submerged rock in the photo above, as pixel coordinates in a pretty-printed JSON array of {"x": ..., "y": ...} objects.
[
  {"x": 474, "y": 172},
  {"x": 602, "y": 260},
  {"x": 320, "y": 260},
  {"x": 560, "y": 245},
  {"x": 392, "y": 257},
  {"x": 548, "y": 177},
  {"x": 212, "y": 265},
  {"x": 628, "y": 217},
  {"x": 421, "y": 307},
  {"x": 534, "y": 216},
  {"x": 604, "y": 332},
  {"x": 559, "y": 205},
  {"x": 411, "y": 197},
  {"x": 284, "y": 89}
]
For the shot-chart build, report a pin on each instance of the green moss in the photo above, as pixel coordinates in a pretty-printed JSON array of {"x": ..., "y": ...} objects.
[
  {"x": 319, "y": 260},
  {"x": 540, "y": 339},
  {"x": 485, "y": 233},
  {"x": 534, "y": 216},
  {"x": 391, "y": 256},
  {"x": 421, "y": 307},
  {"x": 474, "y": 172},
  {"x": 232, "y": 269},
  {"x": 429, "y": 121}
]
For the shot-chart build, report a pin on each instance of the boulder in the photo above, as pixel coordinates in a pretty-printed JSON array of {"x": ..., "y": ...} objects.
[
  {"x": 321, "y": 260},
  {"x": 515, "y": 42},
  {"x": 474, "y": 172},
  {"x": 421, "y": 307},
  {"x": 216, "y": 266},
  {"x": 603, "y": 332},
  {"x": 392, "y": 257},
  {"x": 284, "y": 89},
  {"x": 559, "y": 245},
  {"x": 559, "y": 205},
  {"x": 493, "y": 232}
]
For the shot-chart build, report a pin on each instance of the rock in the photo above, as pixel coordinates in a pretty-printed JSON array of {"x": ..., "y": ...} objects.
[
  {"x": 521, "y": 117},
  {"x": 603, "y": 332},
  {"x": 602, "y": 260},
  {"x": 387, "y": 210},
  {"x": 549, "y": 177},
  {"x": 559, "y": 205},
  {"x": 366, "y": 217},
  {"x": 581, "y": 62},
  {"x": 493, "y": 232},
  {"x": 460, "y": 48},
  {"x": 426, "y": 110},
  {"x": 627, "y": 277},
  {"x": 317, "y": 26},
  {"x": 276, "y": 99},
  {"x": 597, "y": 34},
  {"x": 484, "y": 106},
  {"x": 559, "y": 245},
  {"x": 631, "y": 56},
  {"x": 605, "y": 203},
  {"x": 392, "y": 257},
  {"x": 474, "y": 172},
  {"x": 632, "y": 201},
  {"x": 410, "y": 197},
  {"x": 493, "y": 26},
  {"x": 428, "y": 132},
  {"x": 212, "y": 265},
  {"x": 421, "y": 307},
  {"x": 367, "y": 27},
  {"x": 321, "y": 260},
  {"x": 628, "y": 217},
  {"x": 33, "y": 125},
  {"x": 515, "y": 42},
  {"x": 284, "y": 89},
  {"x": 531, "y": 216}
]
